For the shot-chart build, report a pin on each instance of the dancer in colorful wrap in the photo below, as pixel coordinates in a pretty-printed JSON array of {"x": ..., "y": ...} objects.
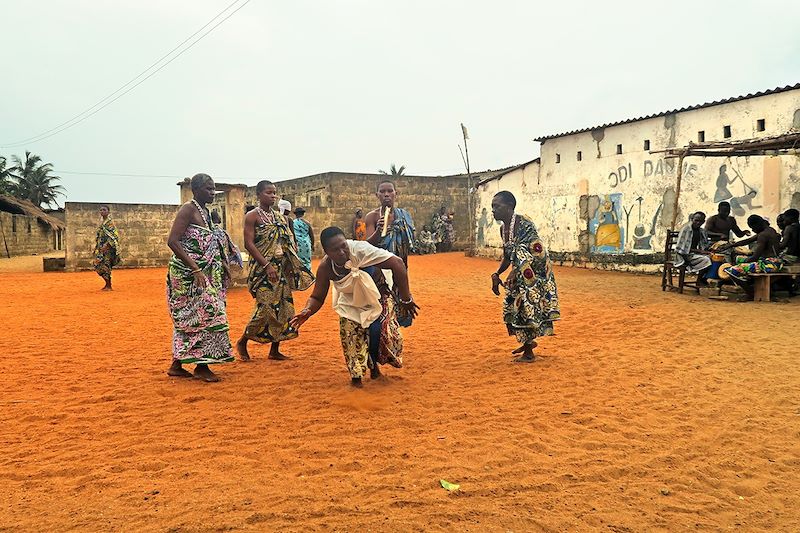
[
  {"x": 275, "y": 271},
  {"x": 106, "y": 248},
  {"x": 304, "y": 235},
  {"x": 531, "y": 303},
  {"x": 368, "y": 325},
  {"x": 197, "y": 281},
  {"x": 399, "y": 238}
]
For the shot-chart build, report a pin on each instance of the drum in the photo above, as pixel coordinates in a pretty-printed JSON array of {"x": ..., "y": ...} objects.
[
  {"x": 713, "y": 272},
  {"x": 721, "y": 274}
]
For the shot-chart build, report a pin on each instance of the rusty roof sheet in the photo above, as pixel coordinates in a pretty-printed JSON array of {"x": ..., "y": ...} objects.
[
  {"x": 673, "y": 111},
  {"x": 24, "y": 207}
]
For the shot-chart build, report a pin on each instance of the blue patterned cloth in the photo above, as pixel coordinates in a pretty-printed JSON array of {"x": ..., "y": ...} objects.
[{"x": 301, "y": 234}]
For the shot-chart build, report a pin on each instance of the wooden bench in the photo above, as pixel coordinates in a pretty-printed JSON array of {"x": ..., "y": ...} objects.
[{"x": 762, "y": 283}]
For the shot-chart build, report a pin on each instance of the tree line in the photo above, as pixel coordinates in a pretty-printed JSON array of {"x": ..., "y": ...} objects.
[{"x": 30, "y": 179}]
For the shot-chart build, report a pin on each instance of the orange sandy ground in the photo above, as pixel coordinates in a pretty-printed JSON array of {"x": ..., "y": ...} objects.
[{"x": 639, "y": 416}]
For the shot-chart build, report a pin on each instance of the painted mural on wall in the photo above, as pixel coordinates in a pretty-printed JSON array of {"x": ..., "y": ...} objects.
[
  {"x": 486, "y": 224},
  {"x": 644, "y": 230},
  {"x": 605, "y": 215},
  {"x": 650, "y": 169},
  {"x": 740, "y": 204}
]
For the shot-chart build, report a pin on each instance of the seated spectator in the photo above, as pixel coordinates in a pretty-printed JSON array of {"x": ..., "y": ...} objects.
[
  {"x": 789, "y": 247},
  {"x": 425, "y": 243},
  {"x": 720, "y": 226},
  {"x": 764, "y": 258},
  {"x": 691, "y": 248}
]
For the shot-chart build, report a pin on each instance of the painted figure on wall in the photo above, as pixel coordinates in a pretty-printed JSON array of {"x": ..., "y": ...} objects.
[
  {"x": 608, "y": 235},
  {"x": 722, "y": 185},
  {"x": 641, "y": 238},
  {"x": 739, "y": 204},
  {"x": 484, "y": 224}
]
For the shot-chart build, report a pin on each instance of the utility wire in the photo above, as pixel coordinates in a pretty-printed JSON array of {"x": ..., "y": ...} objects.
[
  {"x": 77, "y": 119},
  {"x": 120, "y": 175}
]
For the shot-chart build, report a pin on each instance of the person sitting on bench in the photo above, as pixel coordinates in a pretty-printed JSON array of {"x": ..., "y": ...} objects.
[
  {"x": 789, "y": 247},
  {"x": 720, "y": 226},
  {"x": 763, "y": 260},
  {"x": 691, "y": 248}
]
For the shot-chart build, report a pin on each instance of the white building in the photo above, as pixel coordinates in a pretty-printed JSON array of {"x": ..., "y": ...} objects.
[{"x": 599, "y": 195}]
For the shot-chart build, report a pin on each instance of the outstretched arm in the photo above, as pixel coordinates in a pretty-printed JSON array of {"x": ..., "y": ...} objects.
[{"x": 317, "y": 297}]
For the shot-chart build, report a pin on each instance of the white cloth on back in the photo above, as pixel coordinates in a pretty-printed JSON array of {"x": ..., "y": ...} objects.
[{"x": 355, "y": 296}]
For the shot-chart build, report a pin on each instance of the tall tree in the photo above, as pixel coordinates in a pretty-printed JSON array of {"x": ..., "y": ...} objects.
[
  {"x": 6, "y": 183},
  {"x": 394, "y": 171},
  {"x": 34, "y": 181}
]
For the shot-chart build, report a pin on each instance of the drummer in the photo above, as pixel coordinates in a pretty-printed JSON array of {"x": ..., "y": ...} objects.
[{"x": 720, "y": 226}]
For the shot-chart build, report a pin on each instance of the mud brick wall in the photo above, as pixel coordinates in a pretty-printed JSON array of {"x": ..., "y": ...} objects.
[
  {"x": 24, "y": 235},
  {"x": 330, "y": 199},
  {"x": 143, "y": 230}
]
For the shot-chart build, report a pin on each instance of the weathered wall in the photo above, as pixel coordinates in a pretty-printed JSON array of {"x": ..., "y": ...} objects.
[
  {"x": 25, "y": 235},
  {"x": 330, "y": 199},
  {"x": 616, "y": 208},
  {"x": 143, "y": 230}
]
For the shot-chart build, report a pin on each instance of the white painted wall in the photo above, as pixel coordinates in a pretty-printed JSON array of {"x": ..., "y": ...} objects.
[{"x": 619, "y": 203}]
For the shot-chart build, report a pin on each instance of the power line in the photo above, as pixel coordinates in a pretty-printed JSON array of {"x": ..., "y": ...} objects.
[
  {"x": 122, "y": 175},
  {"x": 80, "y": 117}
]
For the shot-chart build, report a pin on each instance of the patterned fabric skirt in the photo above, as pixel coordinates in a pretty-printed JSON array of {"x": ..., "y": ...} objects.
[
  {"x": 274, "y": 308},
  {"x": 743, "y": 270},
  {"x": 381, "y": 343},
  {"x": 104, "y": 260}
]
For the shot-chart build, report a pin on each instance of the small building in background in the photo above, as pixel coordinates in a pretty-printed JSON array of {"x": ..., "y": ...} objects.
[{"x": 27, "y": 230}]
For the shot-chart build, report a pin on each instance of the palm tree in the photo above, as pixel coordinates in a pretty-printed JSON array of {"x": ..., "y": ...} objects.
[
  {"x": 394, "y": 171},
  {"x": 34, "y": 181},
  {"x": 6, "y": 185}
]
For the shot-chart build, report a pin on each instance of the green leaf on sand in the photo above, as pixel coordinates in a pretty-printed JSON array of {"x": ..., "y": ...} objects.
[{"x": 449, "y": 486}]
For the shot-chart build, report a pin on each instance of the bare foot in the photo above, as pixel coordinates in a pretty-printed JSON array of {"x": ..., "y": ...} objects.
[
  {"x": 204, "y": 373},
  {"x": 177, "y": 371},
  {"x": 522, "y": 348},
  {"x": 278, "y": 356},
  {"x": 106, "y": 289},
  {"x": 356, "y": 382},
  {"x": 525, "y": 358},
  {"x": 375, "y": 372},
  {"x": 241, "y": 349}
]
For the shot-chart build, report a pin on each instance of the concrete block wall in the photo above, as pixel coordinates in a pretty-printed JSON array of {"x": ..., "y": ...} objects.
[
  {"x": 143, "y": 230},
  {"x": 25, "y": 235},
  {"x": 341, "y": 193}
]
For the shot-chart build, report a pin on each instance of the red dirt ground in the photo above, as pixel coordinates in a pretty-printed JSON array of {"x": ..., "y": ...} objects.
[{"x": 648, "y": 411}]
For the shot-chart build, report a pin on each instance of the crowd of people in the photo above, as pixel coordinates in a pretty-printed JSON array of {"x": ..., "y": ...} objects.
[
  {"x": 366, "y": 274},
  {"x": 709, "y": 250}
]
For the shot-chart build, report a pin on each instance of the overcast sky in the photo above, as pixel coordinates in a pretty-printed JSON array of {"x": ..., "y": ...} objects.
[{"x": 284, "y": 89}]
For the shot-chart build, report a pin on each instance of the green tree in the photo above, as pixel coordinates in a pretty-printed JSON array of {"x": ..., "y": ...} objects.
[
  {"x": 394, "y": 171},
  {"x": 6, "y": 183},
  {"x": 33, "y": 181}
]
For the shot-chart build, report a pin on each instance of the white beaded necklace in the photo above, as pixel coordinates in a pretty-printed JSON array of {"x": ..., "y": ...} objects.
[
  {"x": 510, "y": 230},
  {"x": 266, "y": 218},
  {"x": 202, "y": 213}
]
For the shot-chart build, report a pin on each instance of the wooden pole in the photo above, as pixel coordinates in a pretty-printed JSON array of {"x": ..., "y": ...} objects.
[
  {"x": 3, "y": 231},
  {"x": 471, "y": 215},
  {"x": 677, "y": 191}
]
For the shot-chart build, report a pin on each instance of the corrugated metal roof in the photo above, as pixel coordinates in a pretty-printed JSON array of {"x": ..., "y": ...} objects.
[
  {"x": 507, "y": 170},
  {"x": 673, "y": 111},
  {"x": 24, "y": 207}
]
